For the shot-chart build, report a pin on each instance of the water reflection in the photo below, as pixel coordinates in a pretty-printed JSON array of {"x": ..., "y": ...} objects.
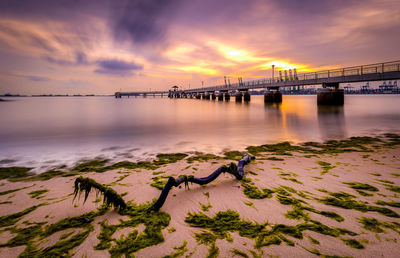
[
  {"x": 43, "y": 129},
  {"x": 331, "y": 121}
]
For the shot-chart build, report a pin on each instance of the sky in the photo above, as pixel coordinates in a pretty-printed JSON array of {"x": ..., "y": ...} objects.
[{"x": 103, "y": 46}]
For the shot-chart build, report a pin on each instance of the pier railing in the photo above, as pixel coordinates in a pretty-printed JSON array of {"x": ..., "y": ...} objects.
[{"x": 378, "y": 68}]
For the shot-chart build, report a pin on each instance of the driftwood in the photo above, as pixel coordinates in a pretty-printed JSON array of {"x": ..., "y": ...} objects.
[
  {"x": 237, "y": 171},
  {"x": 84, "y": 184}
]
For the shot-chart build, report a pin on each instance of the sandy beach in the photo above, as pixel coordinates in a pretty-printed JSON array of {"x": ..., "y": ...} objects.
[{"x": 331, "y": 199}]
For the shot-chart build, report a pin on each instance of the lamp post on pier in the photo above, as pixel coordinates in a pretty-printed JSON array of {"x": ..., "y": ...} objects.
[{"x": 273, "y": 69}]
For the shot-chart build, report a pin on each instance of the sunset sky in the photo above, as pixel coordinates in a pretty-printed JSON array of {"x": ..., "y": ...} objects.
[{"x": 103, "y": 46}]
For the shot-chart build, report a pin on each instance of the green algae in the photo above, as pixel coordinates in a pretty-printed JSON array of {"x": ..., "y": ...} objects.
[
  {"x": 37, "y": 194},
  {"x": 179, "y": 251},
  {"x": 158, "y": 172},
  {"x": 288, "y": 188},
  {"x": 6, "y": 202},
  {"x": 253, "y": 192},
  {"x": 364, "y": 193},
  {"x": 92, "y": 165},
  {"x": 294, "y": 180},
  {"x": 167, "y": 158},
  {"x": 202, "y": 157},
  {"x": 371, "y": 224},
  {"x": 392, "y": 203},
  {"x": 49, "y": 175},
  {"x": 286, "y": 240},
  {"x": 81, "y": 221},
  {"x": 297, "y": 213},
  {"x": 385, "y": 181},
  {"x": 28, "y": 236},
  {"x": 99, "y": 165},
  {"x": 213, "y": 252},
  {"x": 9, "y": 220},
  {"x": 237, "y": 252},
  {"x": 352, "y": 243},
  {"x": 171, "y": 230},
  {"x": 66, "y": 235},
  {"x": 153, "y": 221},
  {"x": 345, "y": 201},
  {"x": 275, "y": 159},
  {"x": 326, "y": 166},
  {"x": 330, "y": 214},
  {"x": 13, "y": 190},
  {"x": 205, "y": 207},
  {"x": 395, "y": 174},
  {"x": 353, "y": 144},
  {"x": 157, "y": 183},
  {"x": 250, "y": 204},
  {"x": 361, "y": 186},
  {"x": 60, "y": 249},
  {"x": 14, "y": 173},
  {"x": 234, "y": 155},
  {"x": 205, "y": 238},
  {"x": 313, "y": 240},
  {"x": 393, "y": 188},
  {"x": 229, "y": 221},
  {"x": 277, "y": 149},
  {"x": 24, "y": 235}
]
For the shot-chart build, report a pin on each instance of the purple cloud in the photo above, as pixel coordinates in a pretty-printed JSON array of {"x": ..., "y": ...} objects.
[
  {"x": 37, "y": 78},
  {"x": 143, "y": 21},
  {"x": 80, "y": 59},
  {"x": 117, "y": 67}
]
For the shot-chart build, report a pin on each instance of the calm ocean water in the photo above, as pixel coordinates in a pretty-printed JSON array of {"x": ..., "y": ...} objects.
[{"x": 45, "y": 132}]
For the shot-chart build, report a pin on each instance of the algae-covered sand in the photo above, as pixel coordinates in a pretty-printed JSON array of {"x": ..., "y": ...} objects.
[{"x": 338, "y": 198}]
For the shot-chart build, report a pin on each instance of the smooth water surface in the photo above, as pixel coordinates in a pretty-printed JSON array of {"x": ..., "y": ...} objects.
[{"x": 45, "y": 131}]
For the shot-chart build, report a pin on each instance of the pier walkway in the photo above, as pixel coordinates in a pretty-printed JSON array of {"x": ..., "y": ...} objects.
[{"x": 329, "y": 79}]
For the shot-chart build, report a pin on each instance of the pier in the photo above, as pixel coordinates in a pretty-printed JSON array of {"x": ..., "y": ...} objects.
[{"x": 330, "y": 94}]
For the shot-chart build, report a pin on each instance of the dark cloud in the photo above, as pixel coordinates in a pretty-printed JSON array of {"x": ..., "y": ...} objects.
[
  {"x": 38, "y": 78},
  {"x": 34, "y": 78},
  {"x": 80, "y": 59},
  {"x": 117, "y": 67},
  {"x": 50, "y": 9},
  {"x": 143, "y": 21},
  {"x": 139, "y": 21}
]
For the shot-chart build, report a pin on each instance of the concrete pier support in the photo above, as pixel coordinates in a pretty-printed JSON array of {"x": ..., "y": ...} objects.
[
  {"x": 246, "y": 96},
  {"x": 213, "y": 96},
  {"x": 220, "y": 96},
  {"x": 238, "y": 97},
  {"x": 227, "y": 96},
  {"x": 273, "y": 97},
  {"x": 330, "y": 97}
]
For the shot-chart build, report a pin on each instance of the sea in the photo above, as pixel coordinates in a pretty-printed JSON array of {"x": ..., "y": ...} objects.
[{"x": 47, "y": 132}]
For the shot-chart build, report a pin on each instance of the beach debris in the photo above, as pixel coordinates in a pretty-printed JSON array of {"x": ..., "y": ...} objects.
[
  {"x": 85, "y": 184},
  {"x": 235, "y": 170}
]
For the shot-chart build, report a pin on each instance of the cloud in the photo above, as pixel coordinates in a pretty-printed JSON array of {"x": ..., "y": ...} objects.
[
  {"x": 33, "y": 78},
  {"x": 38, "y": 78},
  {"x": 142, "y": 21},
  {"x": 117, "y": 67},
  {"x": 80, "y": 59}
]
